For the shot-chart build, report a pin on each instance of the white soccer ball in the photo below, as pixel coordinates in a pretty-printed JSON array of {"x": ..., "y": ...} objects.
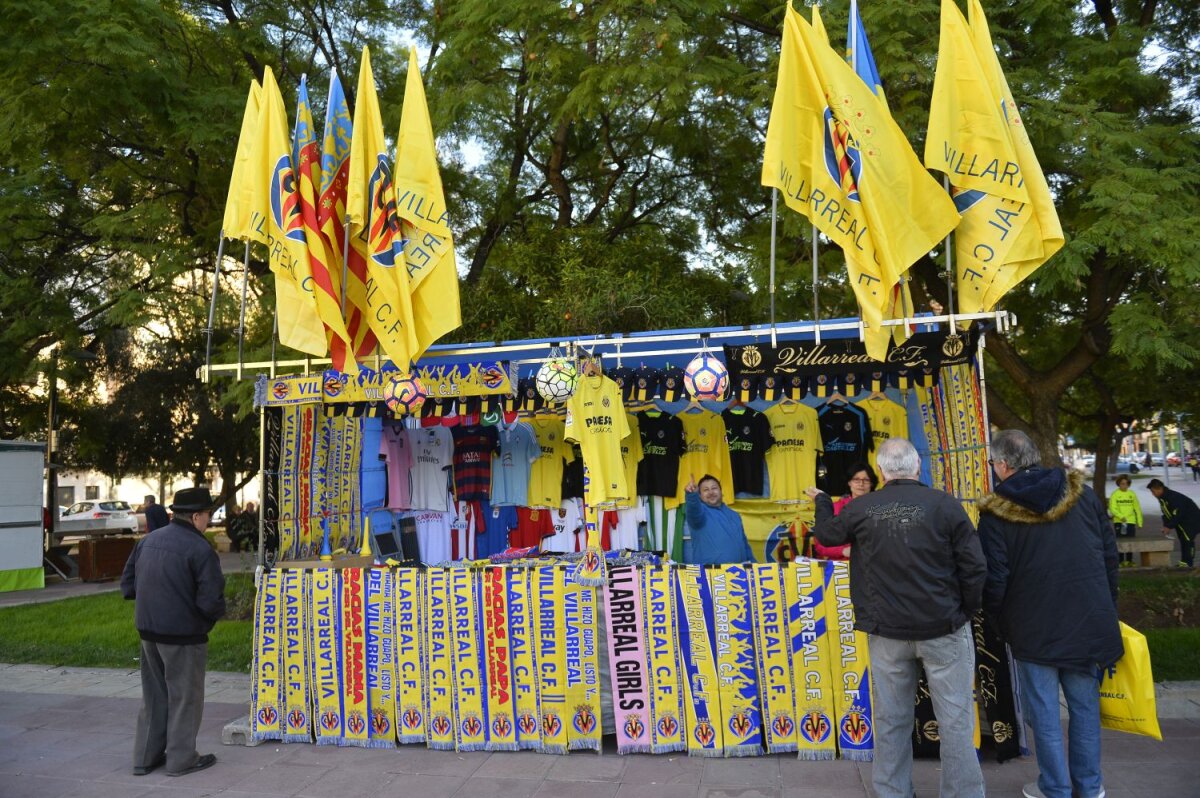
[
  {"x": 556, "y": 380},
  {"x": 706, "y": 377}
]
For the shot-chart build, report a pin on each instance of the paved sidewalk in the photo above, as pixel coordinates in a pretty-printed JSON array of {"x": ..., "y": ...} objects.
[{"x": 69, "y": 732}]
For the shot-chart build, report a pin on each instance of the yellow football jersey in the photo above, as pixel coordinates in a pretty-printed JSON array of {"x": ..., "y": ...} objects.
[
  {"x": 596, "y": 421},
  {"x": 705, "y": 452},
  {"x": 546, "y": 472},
  {"x": 792, "y": 460},
  {"x": 888, "y": 420}
]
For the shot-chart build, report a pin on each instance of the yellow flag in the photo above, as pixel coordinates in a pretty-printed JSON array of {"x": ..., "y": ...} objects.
[
  {"x": 817, "y": 25},
  {"x": 374, "y": 228},
  {"x": 237, "y": 203},
  {"x": 275, "y": 221},
  {"x": 424, "y": 219},
  {"x": 840, "y": 159}
]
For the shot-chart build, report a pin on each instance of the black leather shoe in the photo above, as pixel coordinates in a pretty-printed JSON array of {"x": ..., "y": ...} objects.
[
  {"x": 142, "y": 770},
  {"x": 205, "y": 761}
]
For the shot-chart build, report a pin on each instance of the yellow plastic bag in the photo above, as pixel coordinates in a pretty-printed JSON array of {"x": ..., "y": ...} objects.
[{"x": 1127, "y": 700}]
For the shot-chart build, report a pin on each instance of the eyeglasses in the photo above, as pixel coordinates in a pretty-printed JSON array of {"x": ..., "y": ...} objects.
[
  {"x": 991, "y": 462},
  {"x": 861, "y": 481}
]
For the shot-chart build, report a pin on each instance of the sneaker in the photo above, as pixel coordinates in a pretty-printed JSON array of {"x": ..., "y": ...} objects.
[
  {"x": 1031, "y": 790},
  {"x": 1183, "y": 565},
  {"x": 205, "y": 761},
  {"x": 142, "y": 770}
]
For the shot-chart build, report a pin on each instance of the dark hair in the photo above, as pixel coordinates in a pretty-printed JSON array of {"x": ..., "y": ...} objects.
[
  {"x": 854, "y": 469},
  {"x": 1155, "y": 483},
  {"x": 706, "y": 478},
  {"x": 1124, "y": 478}
]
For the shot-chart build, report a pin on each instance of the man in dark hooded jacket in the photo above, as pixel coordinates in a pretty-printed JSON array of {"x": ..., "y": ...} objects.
[{"x": 1052, "y": 583}]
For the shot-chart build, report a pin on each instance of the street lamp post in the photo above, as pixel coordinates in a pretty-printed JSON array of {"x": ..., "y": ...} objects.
[{"x": 52, "y": 443}]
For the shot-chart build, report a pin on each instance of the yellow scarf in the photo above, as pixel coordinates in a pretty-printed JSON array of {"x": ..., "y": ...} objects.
[
  {"x": 410, "y": 660},
  {"x": 523, "y": 650},
  {"x": 705, "y": 723},
  {"x": 551, "y": 657},
  {"x": 296, "y": 585},
  {"x": 583, "y": 666},
  {"x": 470, "y": 722},
  {"x": 439, "y": 689},
  {"x": 502, "y": 730},
  {"x": 381, "y": 656},
  {"x": 326, "y": 684},
  {"x": 850, "y": 670},
  {"x": 774, "y": 657},
  {"x": 804, "y": 592},
  {"x": 662, "y": 654},
  {"x": 267, "y": 715},
  {"x": 356, "y": 730}
]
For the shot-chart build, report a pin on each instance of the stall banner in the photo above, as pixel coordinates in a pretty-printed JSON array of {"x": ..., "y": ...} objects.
[
  {"x": 705, "y": 724},
  {"x": 267, "y": 709},
  {"x": 381, "y": 656},
  {"x": 777, "y": 689},
  {"x": 522, "y": 636},
  {"x": 411, "y": 672},
  {"x": 502, "y": 729},
  {"x": 668, "y": 733},
  {"x": 850, "y": 669},
  {"x": 837, "y": 356},
  {"x": 470, "y": 719},
  {"x": 808, "y": 629},
  {"x": 775, "y": 530},
  {"x": 296, "y": 687},
  {"x": 582, "y": 660},
  {"x": 623, "y": 603},
  {"x": 733, "y": 628},
  {"x": 292, "y": 389},
  {"x": 327, "y": 655},
  {"x": 551, "y": 657},
  {"x": 439, "y": 678},
  {"x": 355, "y": 701}
]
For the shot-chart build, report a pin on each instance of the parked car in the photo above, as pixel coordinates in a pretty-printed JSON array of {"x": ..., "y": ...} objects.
[
  {"x": 89, "y": 516},
  {"x": 1124, "y": 465},
  {"x": 1173, "y": 459}
]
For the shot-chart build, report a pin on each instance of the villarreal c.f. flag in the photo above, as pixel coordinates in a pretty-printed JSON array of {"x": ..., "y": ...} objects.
[
  {"x": 374, "y": 228},
  {"x": 277, "y": 222},
  {"x": 326, "y": 281},
  {"x": 236, "y": 222},
  {"x": 845, "y": 164},
  {"x": 424, "y": 220},
  {"x": 1009, "y": 224}
]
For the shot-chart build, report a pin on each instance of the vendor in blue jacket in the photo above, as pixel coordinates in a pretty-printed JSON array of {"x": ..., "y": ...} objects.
[{"x": 716, "y": 530}]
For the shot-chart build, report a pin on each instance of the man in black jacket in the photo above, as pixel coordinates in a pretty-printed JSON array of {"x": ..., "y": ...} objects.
[
  {"x": 1180, "y": 514},
  {"x": 175, "y": 577},
  {"x": 916, "y": 579},
  {"x": 1052, "y": 582}
]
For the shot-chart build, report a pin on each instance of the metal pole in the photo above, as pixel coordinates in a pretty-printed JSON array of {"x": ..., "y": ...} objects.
[
  {"x": 242, "y": 312},
  {"x": 949, "y": 258},
  {"x": 771, "y": 289},
  {"x": 816, "y": 297},
  {"x": 983, "y": 408},
  {"x": 262, "y": 483},
  {"x": 345, "y": 262},
  {"x": 52, "y": 442},
  {"x": 212, "y": 306},
  {"x": 274, "y": 337},
  {"x": 1162, "y": 450}
]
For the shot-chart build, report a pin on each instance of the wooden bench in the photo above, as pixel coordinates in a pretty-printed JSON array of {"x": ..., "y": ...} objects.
[{"x": 1151, "y": 552}]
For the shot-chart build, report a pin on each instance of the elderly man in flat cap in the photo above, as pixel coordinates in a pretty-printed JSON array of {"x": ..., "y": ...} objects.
[{"x": 175, "y": 578}]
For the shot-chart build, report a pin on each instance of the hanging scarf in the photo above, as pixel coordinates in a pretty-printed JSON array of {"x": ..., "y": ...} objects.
[
  {"x": 502, "y": 730},
  {"x": 551, "y": 657},
  {"x": 774, "y": 648},
  {"x": 590, "y": 568},
  {"x": 307, "y": 488},
  {"x": 326, "y": 652},
  {"x": 439, "y": 711},
  {"x": 272, "y": 422},
  {"x": 804, "y": 592},
  {"x": 323, "y": 473},
  {"x": 381, "y": 656},
  {"x": 289, "y": 480},
  {"x": 522, "y": 648},
  {"x": 296, "y": 585},
  {"x": 702, "y": 701},
  {"x": 267, "y": 713},
  {"x": 469, "y": 719},
  {"x": 738, "y": 681},
  {"x": 666, "y": 688},
  {"x": 850, "y": 669},
  {"x": 354, "y": 659},
  {"x": 579, "y": 619},
  {"x": 627, "y": 659},
  {"x": 995, "y": 686},
  {"x": 410, "y": 655}
]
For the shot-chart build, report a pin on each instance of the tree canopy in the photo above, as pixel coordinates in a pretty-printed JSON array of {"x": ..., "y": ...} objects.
[{"x": 601, "y": 165}]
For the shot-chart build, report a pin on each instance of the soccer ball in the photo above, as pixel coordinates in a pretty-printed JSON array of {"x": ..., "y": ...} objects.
[
  {"x": 556, "y": 380},
  {"x": 706, "y": 377},
  {"x": 404, "y": 395}
]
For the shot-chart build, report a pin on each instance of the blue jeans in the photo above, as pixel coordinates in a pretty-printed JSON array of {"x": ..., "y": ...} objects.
[
  {"x": 950, "y": 669},
  {"x": 1080, "y": 767}
]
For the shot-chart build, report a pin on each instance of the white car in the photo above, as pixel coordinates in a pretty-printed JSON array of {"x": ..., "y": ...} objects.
[{"x": 95, "y": 515}]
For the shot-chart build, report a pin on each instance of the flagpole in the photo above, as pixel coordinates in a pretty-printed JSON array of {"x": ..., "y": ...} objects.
[
  {"x": 274, "y": 337},
  {"x": 816, "y": 299},
  {"x": 949, "y": 260},
  {"x": 771, "y": 290},
  {"x": 212, "y": 305},
  {"x": 242, "y": 313},
  {"x": 346, "y": 267}
]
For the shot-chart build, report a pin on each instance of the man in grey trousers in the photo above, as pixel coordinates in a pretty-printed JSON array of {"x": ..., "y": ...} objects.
[
  {"x": 916, "y": 579},
  {"x": 175, "y": 578}
]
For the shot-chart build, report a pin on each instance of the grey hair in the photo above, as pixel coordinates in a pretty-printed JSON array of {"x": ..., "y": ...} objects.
[
  {"x": 898, "y": 459},
  {"x": 1016, "y": 449}
]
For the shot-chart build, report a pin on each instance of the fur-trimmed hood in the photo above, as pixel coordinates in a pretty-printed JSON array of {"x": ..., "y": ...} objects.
[{"x": 1035, "y": 496}]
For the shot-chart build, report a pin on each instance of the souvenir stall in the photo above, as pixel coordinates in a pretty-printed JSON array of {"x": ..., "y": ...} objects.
[{"x": 435, "y": 580}]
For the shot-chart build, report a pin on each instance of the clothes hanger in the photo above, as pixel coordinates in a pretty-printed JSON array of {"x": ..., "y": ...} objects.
[{"x": 836, "y": 396}]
